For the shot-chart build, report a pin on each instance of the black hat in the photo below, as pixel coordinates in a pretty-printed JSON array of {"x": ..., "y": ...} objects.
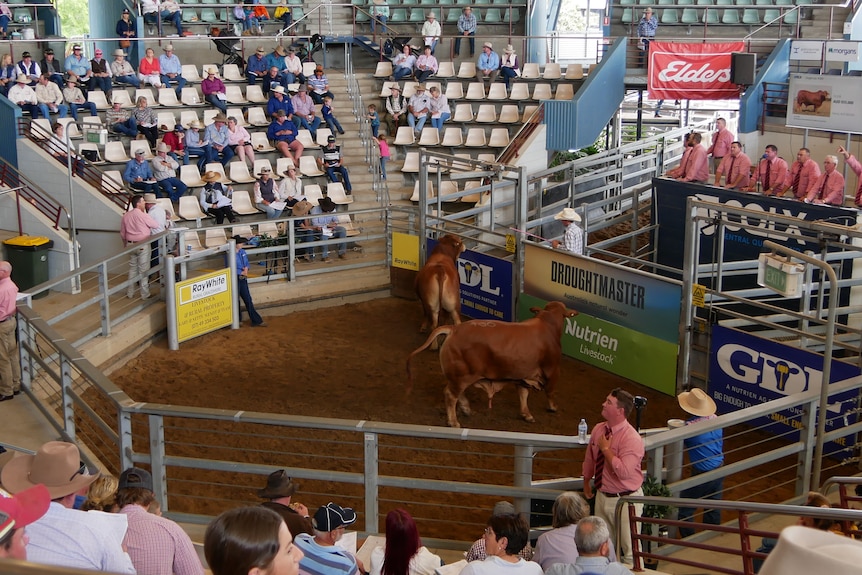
[
  {"x": 240, "y": 240},
  {"x": 278, "y": 484},
  {"x": 331, "y": 138},
  {"x": 25, "y": 55},
  {"x": 326, "y": 204},
  {"x": 135, "y": 477},
  {"x": 331, "y": 516},
  {"x": 49, "y": 51}
]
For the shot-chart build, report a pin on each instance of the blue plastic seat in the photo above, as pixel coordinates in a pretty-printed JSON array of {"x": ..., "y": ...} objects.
[
  {"x": 417, "y": 15},
  {"x": 771, "y": 15},
  {"x": 710, "y": 16},
  {"x": 670, "y": 16},
  {"x": 398, "y": 15},
  {"x": 689, "y": 16},
  {"x": 730, "y": 16},
  {"x": 628, "y": 16},
  {"x": 750, "y": 16},
  {"x": 492, "y": 16}
]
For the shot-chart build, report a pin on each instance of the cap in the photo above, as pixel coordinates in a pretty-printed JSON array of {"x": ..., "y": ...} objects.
[
  {"x": 25, "y": 55},
  {"x": 240, "y": 240},
  {"x": 178, "y": 128},
  {"x": 135, "y": 477},
  {"x": 126, "y": 11},
  {"x": 139, "y": 153},
  {"x": 330, "y": 138},
  {"x": 20, "y": 510},
  {"x": 76, "y": 47},
  {"x": 331, "y": 516},
  {"x": 49, "y": 51}
]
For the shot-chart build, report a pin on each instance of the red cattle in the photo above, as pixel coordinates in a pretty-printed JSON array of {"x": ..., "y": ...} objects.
[
  {"x": 804, "y": 98},
  {"x": 490, "y": 354},
  {"x": 438, "y": 286}
]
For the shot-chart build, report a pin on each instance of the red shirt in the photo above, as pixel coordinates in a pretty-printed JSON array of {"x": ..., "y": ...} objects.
[
  {"x": 174, "y": 142},
  {"x": 146, "y": 68}
]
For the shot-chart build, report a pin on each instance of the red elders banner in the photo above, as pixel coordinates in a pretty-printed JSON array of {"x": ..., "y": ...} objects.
[{"x": 691, "y": 71}]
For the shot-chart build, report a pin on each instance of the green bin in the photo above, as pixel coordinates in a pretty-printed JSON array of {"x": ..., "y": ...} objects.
[{"x": 29, "y": 258}]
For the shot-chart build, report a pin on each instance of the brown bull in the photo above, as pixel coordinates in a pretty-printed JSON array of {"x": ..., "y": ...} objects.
[
  {"x": 805, "y": 98},
  {"x": 490, "y": 354},
  {"x": 438, "y": 286}
]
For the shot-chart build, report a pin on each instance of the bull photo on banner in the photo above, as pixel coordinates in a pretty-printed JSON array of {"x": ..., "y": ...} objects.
[
  {"x": 627, "y": 322},
  {"x": 747, "y": 370},
  {"x": 825, "y": 102},
  {"x": 680, "y": 71}
]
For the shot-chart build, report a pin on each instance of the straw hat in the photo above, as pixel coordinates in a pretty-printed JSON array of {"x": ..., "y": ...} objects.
[
  {"x": 196, "y": 124},
  {"x": 163, "y": 147},
  {"x": 211, "y": 177},
  {"x": 168, "y": 48},
  {"x": 488, "y": 45},
  {"x": 509, "y": 49},
  {"x": 119, "y": 52},
  {"x": 212, "y": 70},
  {"x": 278, "y": 89},
  {"x": 568, "y": 214},
  {"x": 696, "y": 402},
  {"x": 260, "y": 50},
  {"x": 220, "y": 118},
  {"x": 280, "y": 50}
]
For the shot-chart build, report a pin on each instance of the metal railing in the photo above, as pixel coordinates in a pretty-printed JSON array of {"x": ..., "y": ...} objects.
[{"x": 25, "y": 189}]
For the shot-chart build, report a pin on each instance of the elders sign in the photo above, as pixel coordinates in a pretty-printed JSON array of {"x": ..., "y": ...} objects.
[{"x": 691, "y": 71}]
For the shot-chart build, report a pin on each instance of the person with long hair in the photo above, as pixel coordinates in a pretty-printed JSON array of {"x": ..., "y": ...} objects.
[
  {"x": 404, "y": 553},
  {"x": 251, "y": 541},
  {"x": 146, "y": 119},
  {"x": 558, "y": 544},
  {"x": 102, "y": 495},
  {"x": 505, "y": 536}
]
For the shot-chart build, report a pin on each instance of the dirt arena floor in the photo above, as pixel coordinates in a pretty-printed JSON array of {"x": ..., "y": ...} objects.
[{"x": 349, "y": 362}]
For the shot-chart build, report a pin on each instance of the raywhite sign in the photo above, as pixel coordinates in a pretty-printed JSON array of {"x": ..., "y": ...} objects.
[{"x": 806, "y": 50}]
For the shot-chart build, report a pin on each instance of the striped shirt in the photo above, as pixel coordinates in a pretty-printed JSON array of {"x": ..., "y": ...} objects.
[
  {"x": 320, "y": 560},
  {"x": 158, "y": 546}
]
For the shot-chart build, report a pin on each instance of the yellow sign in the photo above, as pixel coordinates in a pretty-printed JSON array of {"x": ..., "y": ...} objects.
[
  {"x": 698, "y": 294},
  {"x": 405, "y": 251},
  {"x": 510, "y": 243},
  {"x": 204, "y": 304}
]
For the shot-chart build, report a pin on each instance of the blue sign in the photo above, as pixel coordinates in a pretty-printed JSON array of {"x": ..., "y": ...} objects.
[
  {"x": 486, "y": 285},
  {"x": 746, "y": 370}
]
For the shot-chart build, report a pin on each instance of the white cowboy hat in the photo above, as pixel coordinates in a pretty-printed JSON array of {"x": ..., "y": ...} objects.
[
  {"x": 696, "y": 402},
  {"x": 568, "y": 214},
  {"x": 806, "y": 550}
]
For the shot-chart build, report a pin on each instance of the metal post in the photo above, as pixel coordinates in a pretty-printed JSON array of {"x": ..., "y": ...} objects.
[
  {"x": 68, "y": 405},
  {"x": 690, "y": 260},
  {"x": 827, "y": 350},
  {"x": 124, "y": 438},
  {"x": 523, "y": 475},
  {"x": 72, "y": 230},
  {"x": 371, "y": 475},
  {"x": 157, "y": 459}
]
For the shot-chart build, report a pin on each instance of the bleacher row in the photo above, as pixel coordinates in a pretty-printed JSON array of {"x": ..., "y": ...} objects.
[
  {"x": 467, "y": 70},
  {"x": 488, "y": 16},
  {"x": 715, "y": 11}
]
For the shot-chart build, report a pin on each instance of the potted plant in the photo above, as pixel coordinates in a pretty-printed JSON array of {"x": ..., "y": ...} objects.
[{"x": 652, "y": 487}]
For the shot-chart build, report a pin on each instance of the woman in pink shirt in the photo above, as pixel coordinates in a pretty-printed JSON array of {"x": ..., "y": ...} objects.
[{"x": 239, "y": 139}]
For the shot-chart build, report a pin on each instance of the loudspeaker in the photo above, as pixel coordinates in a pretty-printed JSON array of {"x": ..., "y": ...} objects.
[{"x": 742, "y": 66}]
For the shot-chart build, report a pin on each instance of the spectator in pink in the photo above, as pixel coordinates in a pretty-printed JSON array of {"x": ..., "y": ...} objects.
[
  {"x": 736, "y": 168},
  {"x": 721, "y": 141},
  {"x": 771, "y": 172},
  {"x": 829, "y": 187},
  {"x": 854, "y": 165},
  {"x": 801, "y": 174},
  {"x": 213, "y": 90},
  {"x": 695, "y": 168}
]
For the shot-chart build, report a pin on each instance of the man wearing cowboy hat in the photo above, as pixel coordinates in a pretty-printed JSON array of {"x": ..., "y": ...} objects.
[
  {"x": 121, "y": 121},
  {"x": 573, "y": 238},
  {"x": 75, "y": 98},
  {"x": 16, "y": 513},
  {"x": 417, "y": 107},
  {"x": 25, "y": 97},
  {"x": 466, "y": 27},
  {"x": 489, "y": 63},
  {"x": 123, "y": 71},
  {"x": 214, "y": 90},
  {"x": 322, "y": 555},
  {"x": 705, "y": 453},
  {"x": 396, "y": 110},
  {"x": 279, "y": 101},
  {"x": 171, "y": 70},
  {"x": 164, "y": 171},
  {"x": 197, "y": 145},
  {"x": 64, "y": 536},
  {"x": 304, "y": 112},
  {"x": 431, "y": 30},
  {"x": 278, "y": 492},
  {"x": 243, "y": 293},
  {"x": 266, "y": 196},
  {"x": 326, "y": 227},
  {"x": 155, "y": 543},
  {"x": 214, "y": 199},
  {"x": 276, "y": 58},
  {"x": 256, "y": 66},
  {"x": 217, "y": 135},
  {"x": 292, "y": 70}
]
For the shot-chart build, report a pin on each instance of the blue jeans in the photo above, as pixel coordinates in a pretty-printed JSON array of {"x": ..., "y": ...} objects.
[
  {"x": 86, "y": 106},
  {"x": 330, "y": 173},
  {"x": 438, "y": 122},
  {"x": 402, "y": 72},
  {"x": 205, "y": 155},
  {"x": 301, "y": 122},
  {"x": 318, "y": 98},
  {"x": 337, "y": 232},
  {"x": 174, "y": 188},
  {"x": 226, "y": 155},
  {"x": 382, "y": 19},
  {"x": 416, "y": 123},
  {"x": 470, "y": 37},
  {"x": 128, "y": 128},
  {"x": 271, "y": 213},
  {"x": 103, "y": 83},
  {"x": 179, "y": 81},
  {"x": 383, "y": 166},
  {"x": 334, "y": 125},
  {"x": 508, "y": 73},
  {"x": 708, "y": 490},
  {"x": 62, "y": 110},
  {"x": 4, "y": 24},
  {"x": 245, "y": 296},
  {"x": 214, "y": 100},
  {"x": 146, "y": 187},
  {"x": 175, "y": 18},
  {"x": 131, "y": 80}
]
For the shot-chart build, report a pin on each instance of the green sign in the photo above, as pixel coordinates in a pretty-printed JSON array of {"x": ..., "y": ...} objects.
[{"x": 775, "y": 279}]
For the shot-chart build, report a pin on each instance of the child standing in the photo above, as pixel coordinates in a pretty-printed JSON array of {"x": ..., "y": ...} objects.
[
  {"x": 328, "y": 116},
  {"x": 374, "y": 119},
  {"x": 384, "y": 154}
]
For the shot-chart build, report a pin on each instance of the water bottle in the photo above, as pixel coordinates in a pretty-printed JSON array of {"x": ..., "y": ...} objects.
[
  {"x": 188, "y": 249},
  {"x": 582, "y": 431}
]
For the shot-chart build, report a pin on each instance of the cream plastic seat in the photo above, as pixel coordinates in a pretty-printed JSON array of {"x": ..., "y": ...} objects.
[
  {"x": 415, "y": 196},
  {"x": 335, "y": 192},
  {"x": 454, "y": 91},
  {"x": 242, "y": 230},
  {"x": 308, "y": 69},
  {"x": 345, "y": 222},
  {"x": 231, "y": 72},
  {"x": 190, "y": 209},
  {"x": 241, "y": 203},
  {"x": 551, "y": 71},
  {"x": 487, "y": 113},
  {"x": 116, "y": 153},
  {"x": 265, "y": 163},
  {"x": 99, "y": 99},
  {"x": 313, "y": 193},
  {"x": 237, "y": 113},
  {"x": 255, "y": 94},
  {"x": 429, "y": 137},
  {"x": 475, "y": 91},
  {"x": 190, "y": 73},
  {"x": 94, "y": 121},
  {"x": 409, "y": 89},
  {"x": 92, "y": 147},
  {"x": 209, "y": 115},
  {"x": 304, "y": 138},
  {"x": 542, "y": 92},
  {"x": 404, "y": 136},
  {"x": 239, "y": 173},
  {"x": 40, "y": 128},
  {"x": 383, "y": 70},
  {"x": 448, "y": 188},
  {"x": 268, "y": 228},
  {"x": 476, "y": 138},
  {"x": 166, "y": 121},
  {"x": 499, "y": 138},
  {"x": 497, "y": 92},
  {"x": 564, "y": 92},
  {"x": 574, "y": 72},
  {"x": 529, "y": 71},
  {"x": 168, "y": 206},
  {"x": 467, "y": 70},
  {"x": 411, "y": 162},
  {"x": 122, "y": 97},
  {"x": 70, "y": 128},
  {"x": 308, "y": 166},
  {"x": 260, "y": 143},
  {"x": 471, "y": 198},
  {"x": 215, "y": 237},
  {"x": 148, "y": 94},
  {"x": 520, "y": 91},
  {"x": 257, "y": 117},
  {"x": 452, "y": 137},
  {"x": 112, "y": 183},
  {"x": 463, "y": 113},
  {"x": 219, "y": 169},
  {"x": 322, "y": 135},
  {"x": 234, "y": 94},
  {"x": 187, "y": 116},
  {"x": 190, "y": 176},
  {"x": 281, "y": 166},
  {"x": 168, "y": 97},
  {"x": 528, "y": 112},
  {"x": 136, "y": 145},
  {"x": 190, "y": 97},
  {"x": 386, "y": 91},
  {"x": 509, "y": 114},
  {"x": 445, "y": 70},
  {"x": 191, "y": 240}
]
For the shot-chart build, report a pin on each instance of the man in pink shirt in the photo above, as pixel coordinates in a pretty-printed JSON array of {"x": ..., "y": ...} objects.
[
  {"x": 614, "y": 458},
  {"x": 736, "y": 168},
  {"x": 135, "y": 227},
  {"x": 857, "y": 169},
  {"x": 771, "y": 172},
  {"x": 801, "y": 174},
  {"x": 721, "y": 141},
  {"x": 829, "y": 187},
  {"x": 696, "y": 167},
  {"x": 10, "y": 370},
  {"x": 678, "y": 171}
]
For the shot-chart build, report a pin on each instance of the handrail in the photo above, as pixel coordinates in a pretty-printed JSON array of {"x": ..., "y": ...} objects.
[{"x": 511, "y": 151}]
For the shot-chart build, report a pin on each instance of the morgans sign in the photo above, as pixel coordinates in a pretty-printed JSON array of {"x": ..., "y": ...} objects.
[{"x": 692, "y": 71}]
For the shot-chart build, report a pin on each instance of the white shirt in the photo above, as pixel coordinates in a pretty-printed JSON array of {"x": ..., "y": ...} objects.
[
  {"x": 423, "y": 563},
  {"x": 496, "y": 566}
]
